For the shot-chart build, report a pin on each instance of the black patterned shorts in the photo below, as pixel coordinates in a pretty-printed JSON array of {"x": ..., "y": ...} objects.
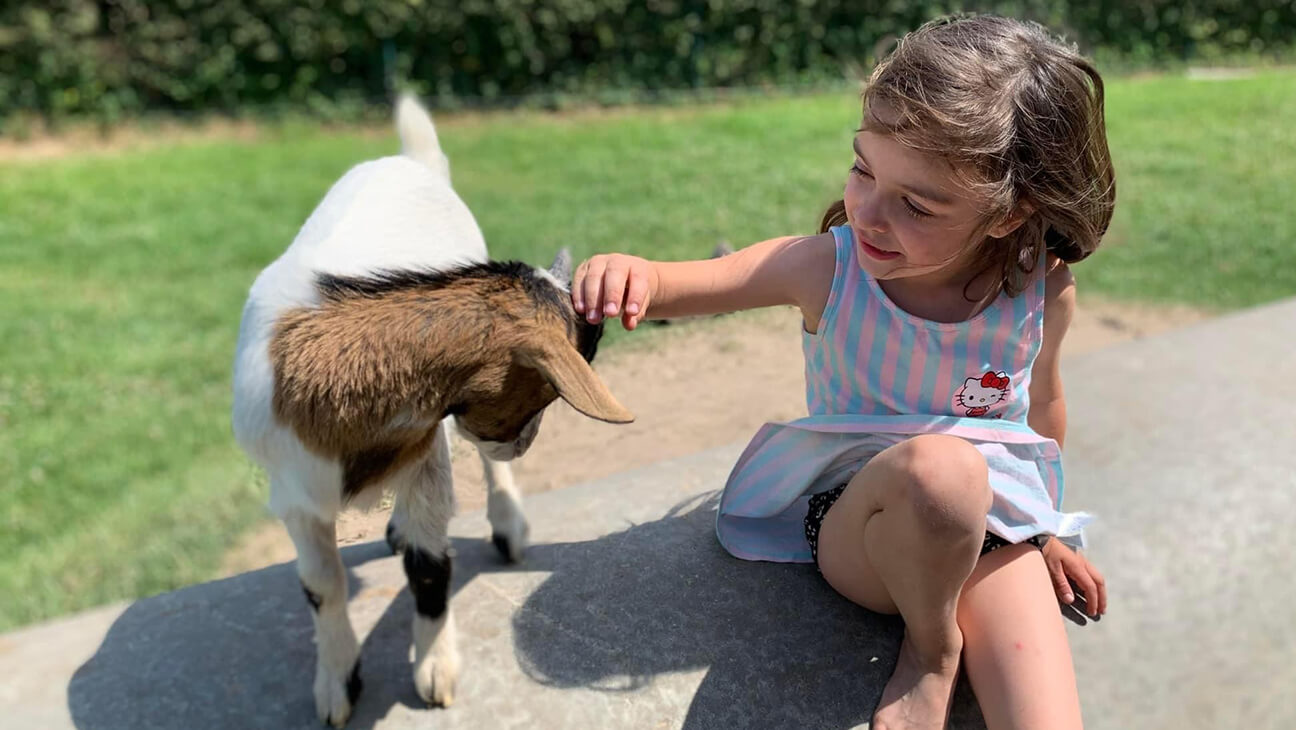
[{"x": 821, "y": 502}]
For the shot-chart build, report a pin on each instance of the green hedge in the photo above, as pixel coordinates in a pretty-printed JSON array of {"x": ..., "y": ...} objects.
[{"x": 110, "y": 58}]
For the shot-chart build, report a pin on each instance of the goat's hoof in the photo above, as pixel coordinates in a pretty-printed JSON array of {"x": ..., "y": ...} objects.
[
  {"x": 435, "y": 680},
  {"x": 510, "y": 532},
  {"x": 501, "y": 544},
  {"x": 336, "y": 695},
  {"x": 511, "y": 541},
  {"x": 507, "y": 548},
  {"x": 395, "y": 542}
]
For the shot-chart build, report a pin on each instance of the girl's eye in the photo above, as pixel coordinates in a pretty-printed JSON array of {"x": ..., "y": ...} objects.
[
  {"x": 911, "y": 209},
  {"x": 914, "y": 211}
]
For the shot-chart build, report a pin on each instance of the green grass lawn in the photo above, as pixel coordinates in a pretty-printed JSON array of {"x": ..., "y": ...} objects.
[{"x": 122, "y": 277}]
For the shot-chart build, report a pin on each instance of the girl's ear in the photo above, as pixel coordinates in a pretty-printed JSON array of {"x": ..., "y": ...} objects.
[{"x": 1014, "y": 220}]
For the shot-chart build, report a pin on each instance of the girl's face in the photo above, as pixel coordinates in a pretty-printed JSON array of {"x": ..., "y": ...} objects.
[{"x": 911, "y": 215}]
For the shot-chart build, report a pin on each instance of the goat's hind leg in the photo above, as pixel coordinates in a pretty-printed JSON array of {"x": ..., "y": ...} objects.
[
  {"x": 424, "y": 505},
  {"x": 509, "y": 529},
  {"x": 323, "y": 579}
]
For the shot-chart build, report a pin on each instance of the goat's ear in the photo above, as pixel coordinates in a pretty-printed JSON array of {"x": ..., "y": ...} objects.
[
  {"x": 562, "y": 266},
  {"x": 573, "y": 378}
]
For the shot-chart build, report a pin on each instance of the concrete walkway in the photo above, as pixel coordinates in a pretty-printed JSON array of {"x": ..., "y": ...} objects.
[{"x": 627, "y": 613}]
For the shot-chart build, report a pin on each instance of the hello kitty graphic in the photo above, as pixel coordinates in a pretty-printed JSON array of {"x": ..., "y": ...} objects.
[{"x": 979, "y": 394}]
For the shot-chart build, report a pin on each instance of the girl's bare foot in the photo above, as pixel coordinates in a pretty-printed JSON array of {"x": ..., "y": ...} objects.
[{"x": 917, "y": 697}]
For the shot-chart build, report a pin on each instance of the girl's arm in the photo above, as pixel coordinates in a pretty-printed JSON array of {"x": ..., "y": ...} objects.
[
  {"x": 1047, "y": 403},
  {"x": 794, "y": 270},
  {"x": 1048, "y": 417}
]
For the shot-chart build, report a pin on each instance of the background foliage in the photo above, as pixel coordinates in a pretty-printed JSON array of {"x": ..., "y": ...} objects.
[{"x": 112, "y": 58}]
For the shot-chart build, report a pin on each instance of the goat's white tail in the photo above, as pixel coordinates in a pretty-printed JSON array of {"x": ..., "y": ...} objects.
[{"x": 418, "y": 135}]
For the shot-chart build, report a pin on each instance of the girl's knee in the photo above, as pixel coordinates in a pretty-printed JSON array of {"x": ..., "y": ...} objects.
[{"x": 945, "y": 479}]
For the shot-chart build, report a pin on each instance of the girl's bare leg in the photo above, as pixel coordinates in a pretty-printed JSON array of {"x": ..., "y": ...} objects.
[
  {"x": 903, "y": 537},
  {"x": 1014, "y": 643}
]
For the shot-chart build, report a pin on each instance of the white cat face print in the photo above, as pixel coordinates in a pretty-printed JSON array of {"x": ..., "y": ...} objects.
[{"x": 981, "y": 394}]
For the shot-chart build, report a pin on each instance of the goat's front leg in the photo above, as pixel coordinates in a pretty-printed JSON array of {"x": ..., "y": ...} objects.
[
  {"x": 510, "y": 532},
  {"x": 509, "y": 529},
  {"x": 424, "y": 505},
  {"x": 323, "y": 578}
]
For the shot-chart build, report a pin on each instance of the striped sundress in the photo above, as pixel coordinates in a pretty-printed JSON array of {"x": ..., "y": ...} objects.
[{"x": 877, "y": 375}]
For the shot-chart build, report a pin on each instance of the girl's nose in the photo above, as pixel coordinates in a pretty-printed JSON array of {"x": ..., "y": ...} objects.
[{"x": 868, "y": 215}]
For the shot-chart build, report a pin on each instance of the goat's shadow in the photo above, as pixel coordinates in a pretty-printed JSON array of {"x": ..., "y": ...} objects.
[
  {"x": 780, "y": 649},
  {"x": 236, "y": 652}
]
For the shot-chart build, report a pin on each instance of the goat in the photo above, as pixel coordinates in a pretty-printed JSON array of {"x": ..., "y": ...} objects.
[{"x": 382, "y": 323}]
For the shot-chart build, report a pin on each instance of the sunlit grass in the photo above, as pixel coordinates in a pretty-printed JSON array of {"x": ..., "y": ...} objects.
[{"x": 123, "y": 276}]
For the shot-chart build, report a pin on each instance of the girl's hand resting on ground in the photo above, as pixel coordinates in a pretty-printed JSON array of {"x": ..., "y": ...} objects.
[
  {"x": 1066, "y": 566},
  {"x": 611, "y": 285}
]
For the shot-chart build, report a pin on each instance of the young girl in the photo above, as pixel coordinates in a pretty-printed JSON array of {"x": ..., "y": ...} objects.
[{"x": 927, "y": 478}]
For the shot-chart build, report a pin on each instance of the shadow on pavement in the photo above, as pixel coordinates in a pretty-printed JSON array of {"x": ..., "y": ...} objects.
[{"x": 780, "y": 648}]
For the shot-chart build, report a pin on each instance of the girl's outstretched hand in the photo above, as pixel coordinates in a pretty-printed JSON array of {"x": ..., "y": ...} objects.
[
  {"x": 1066, "y": 566},
  {"x": 611, "y": 285}
]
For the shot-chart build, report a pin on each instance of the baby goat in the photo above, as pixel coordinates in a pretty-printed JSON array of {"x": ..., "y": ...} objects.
[{"x": 382, "y": 319}]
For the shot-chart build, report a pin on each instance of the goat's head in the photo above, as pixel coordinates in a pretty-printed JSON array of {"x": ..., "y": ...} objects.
[
  {"x": 384, "y": 358},
  {"x": 541, "y": 351}
]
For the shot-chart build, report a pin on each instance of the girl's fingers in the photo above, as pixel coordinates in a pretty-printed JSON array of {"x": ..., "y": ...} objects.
[
  {"x": 614, "y": 287},
  {"x": 636, "y": 299},
  {"x": 577, "y": 291},
  {"x": 1079, "y": 572},
  {"x": 1100, "y": 585},
  {"x": 1060, "y": 584},
  {"x": 593, "y": 290},
  {"x": 611, "y": 286}
]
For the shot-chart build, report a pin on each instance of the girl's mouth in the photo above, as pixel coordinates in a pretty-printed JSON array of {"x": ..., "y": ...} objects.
[{"x": 875, "y": 252}]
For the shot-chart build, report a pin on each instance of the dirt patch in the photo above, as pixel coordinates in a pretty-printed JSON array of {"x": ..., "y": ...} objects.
[
  {"x": 82, "y": 138},
  {"x": 691, "y": 387}
]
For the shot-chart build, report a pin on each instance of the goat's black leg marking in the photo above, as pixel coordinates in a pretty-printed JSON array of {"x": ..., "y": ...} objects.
[
  {"x": 312, "y": 597},
  {"x": 354, "y": 684},
  {"x": 503, "y": 545},
  {"x": 353, "y": 687},
  {"x": 395, "y": 542},
  {"x": 429, "y": 580}
]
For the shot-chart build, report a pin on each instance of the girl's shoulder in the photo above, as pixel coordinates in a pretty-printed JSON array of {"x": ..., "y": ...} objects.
[
  {"x": 812, "y": 265},
  {"x": 1059, "y": 299},
  {"x": 820, "y": 252},
  {"x": 1059, "y": 285}
]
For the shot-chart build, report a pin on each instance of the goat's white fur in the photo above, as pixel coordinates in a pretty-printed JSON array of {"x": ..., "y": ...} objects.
[{"x": 393, "y": 213}]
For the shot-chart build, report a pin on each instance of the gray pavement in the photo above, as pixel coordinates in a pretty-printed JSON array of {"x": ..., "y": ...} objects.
[{"x": 626, "y": 613}]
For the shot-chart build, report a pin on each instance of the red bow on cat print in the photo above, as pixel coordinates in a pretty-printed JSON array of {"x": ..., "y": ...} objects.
[{"x": 991, "y": 380}]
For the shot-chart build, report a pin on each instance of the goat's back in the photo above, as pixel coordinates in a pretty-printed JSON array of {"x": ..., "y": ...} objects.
[{"x": 388, "y": 214}]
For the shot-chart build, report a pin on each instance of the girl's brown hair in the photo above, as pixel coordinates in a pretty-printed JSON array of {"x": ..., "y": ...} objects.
[{"x": 1019, "y": 116}]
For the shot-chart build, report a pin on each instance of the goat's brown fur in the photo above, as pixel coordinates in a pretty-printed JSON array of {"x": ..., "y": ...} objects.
[{"x": 366, "y": 376}]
